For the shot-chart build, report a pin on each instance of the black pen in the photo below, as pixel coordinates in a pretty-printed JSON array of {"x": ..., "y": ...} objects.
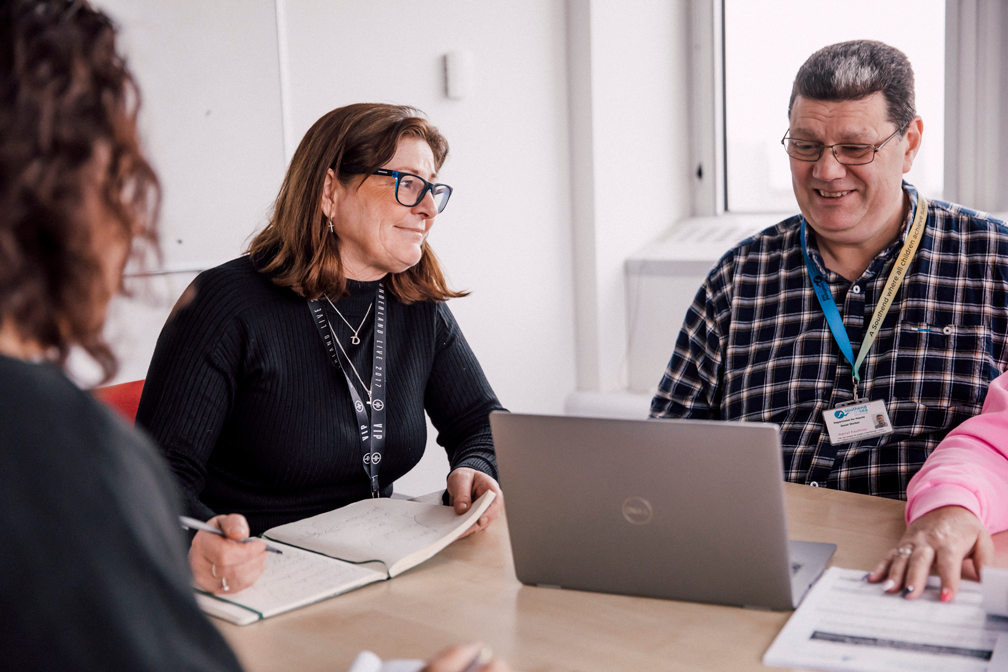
[
  {"x": 193, "y": 524},
  {"x": 482, "y": 658}
]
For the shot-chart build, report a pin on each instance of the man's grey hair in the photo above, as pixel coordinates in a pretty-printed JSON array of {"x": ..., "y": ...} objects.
[{"x": 855, "y": 70}]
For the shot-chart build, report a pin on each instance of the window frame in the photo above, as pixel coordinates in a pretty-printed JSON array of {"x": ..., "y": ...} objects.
[{"x": 976, "y": 106}]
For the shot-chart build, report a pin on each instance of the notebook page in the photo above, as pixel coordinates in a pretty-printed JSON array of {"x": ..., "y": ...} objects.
[
  {"x": 402, "y": 533},
  {"x": 297, "y": 578}
]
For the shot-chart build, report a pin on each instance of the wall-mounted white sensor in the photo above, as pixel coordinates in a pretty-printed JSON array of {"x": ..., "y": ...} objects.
[{"x": 458, "y": 66}]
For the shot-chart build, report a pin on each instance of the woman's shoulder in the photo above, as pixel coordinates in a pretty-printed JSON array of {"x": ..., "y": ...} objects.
[
  {"x": 220, "y": 294},
  {"x": 89, "y": 496},
  {"x": 422, "y": 316},
  {"x": 40, "y": 405},
  {"x": 237, "y": 278},
  {"x": 73, "y": 447}
]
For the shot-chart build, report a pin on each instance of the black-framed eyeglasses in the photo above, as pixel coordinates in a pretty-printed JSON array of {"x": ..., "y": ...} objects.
[
  {"x": 847, "y": 153},
  {"x": 410, "y": 189}
]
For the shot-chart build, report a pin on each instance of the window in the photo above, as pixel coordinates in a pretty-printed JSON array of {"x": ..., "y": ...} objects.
[{"x": 764, "y": 45}]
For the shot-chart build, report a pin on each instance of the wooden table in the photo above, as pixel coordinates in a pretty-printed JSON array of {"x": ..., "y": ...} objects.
[{"x": 469, "y": 592}]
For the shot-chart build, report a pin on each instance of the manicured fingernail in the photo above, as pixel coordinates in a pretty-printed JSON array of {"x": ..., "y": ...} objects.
[
  {"x": 464, "y": 506},
  {"x": 888, "y": 585},
  {"x": 907, "y": 591},
  {"x": 946, "y": 594},
  {"x": 483, "y": 521}
]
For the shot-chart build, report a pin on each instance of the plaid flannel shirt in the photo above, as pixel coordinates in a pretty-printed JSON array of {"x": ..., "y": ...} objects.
[{"x": 755, "y": 346}]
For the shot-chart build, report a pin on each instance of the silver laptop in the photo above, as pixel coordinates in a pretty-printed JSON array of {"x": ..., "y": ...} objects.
[{"x": 677, "y": 509}]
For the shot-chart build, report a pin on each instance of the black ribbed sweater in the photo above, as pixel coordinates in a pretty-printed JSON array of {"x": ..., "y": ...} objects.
[{"x": 254, "y": 418}]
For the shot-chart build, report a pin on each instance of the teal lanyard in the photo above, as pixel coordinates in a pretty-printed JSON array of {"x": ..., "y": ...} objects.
[{"x": 829, "y": 307}]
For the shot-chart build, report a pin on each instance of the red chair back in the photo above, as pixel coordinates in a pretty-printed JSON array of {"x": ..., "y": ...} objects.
[{"x": 124, "y": 398}]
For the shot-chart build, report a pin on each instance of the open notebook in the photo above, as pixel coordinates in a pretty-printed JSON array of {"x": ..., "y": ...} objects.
[{"x": 335, "y": 552}]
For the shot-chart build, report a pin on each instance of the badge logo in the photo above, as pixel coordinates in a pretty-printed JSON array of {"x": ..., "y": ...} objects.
[
  {"x": 359, "y": 406},
  {"x": 841, "y": 414},
  {"x": 377, "y": 404},
  {"x": 372, "y": 458},
  {"x": 637, "y": 510}
]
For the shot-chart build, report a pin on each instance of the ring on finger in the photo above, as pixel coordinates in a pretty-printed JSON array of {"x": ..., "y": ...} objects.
[
  {"x": 905, "y": 551},
  {"x": 213, "y": 570}
]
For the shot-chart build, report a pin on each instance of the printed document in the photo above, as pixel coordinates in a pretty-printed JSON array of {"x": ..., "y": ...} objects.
[{"x": 846, "y": 623}]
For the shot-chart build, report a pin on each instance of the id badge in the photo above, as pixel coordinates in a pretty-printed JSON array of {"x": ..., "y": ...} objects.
[{"x": 857, "y": 420}]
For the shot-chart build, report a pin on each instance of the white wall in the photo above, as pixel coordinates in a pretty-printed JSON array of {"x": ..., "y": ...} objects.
[
  {"x": 211, "y": 124},
  {"x": 630, "y": 117},
  {"x": 211, "y": 118}
]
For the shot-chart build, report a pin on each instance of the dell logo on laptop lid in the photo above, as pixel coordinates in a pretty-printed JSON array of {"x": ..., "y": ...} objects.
[{"x": 637, "y": 510}]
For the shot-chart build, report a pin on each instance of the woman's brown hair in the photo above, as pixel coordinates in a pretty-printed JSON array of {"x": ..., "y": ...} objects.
[
  {"x": 297, "y": 249},
  {"x": 68, "y": 107}
]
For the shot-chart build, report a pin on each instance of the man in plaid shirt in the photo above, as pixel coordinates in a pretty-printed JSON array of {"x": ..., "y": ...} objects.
[{"x": 756, "y": 344}]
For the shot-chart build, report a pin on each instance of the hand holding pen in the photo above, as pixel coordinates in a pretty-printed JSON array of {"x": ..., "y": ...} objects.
[
  {"x": 471, "y": 658},
  {"x": 193, "y": 524},
  {"x": 224, "y": 559}
]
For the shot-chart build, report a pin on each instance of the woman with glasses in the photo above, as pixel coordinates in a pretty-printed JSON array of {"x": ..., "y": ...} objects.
[{"x": 295, "y": 380}]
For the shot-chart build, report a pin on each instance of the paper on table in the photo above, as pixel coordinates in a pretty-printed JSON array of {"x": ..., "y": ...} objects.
[
  {"x": 995, "y": 590},
  {"x": 845, "y": 623}
]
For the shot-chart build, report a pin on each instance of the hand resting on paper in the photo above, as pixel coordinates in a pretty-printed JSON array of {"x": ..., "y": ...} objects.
[
  {"x": 945, "y": 537},
  {"x": 458, "y": 658},
  {"x": 466, "y": 485},
  {"x": 222, "y": 565}
]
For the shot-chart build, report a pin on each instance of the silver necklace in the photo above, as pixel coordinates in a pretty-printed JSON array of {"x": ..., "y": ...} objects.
[
  {"x": 355, "y": 340},
  {"x": 352, "y": 367}
]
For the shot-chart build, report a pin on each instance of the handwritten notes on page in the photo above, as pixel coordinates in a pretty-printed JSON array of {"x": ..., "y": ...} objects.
[
  {"x": 396, "y": 531},
  {"x": 845, "y": 623},
  {"x": 297, "y": 578}
]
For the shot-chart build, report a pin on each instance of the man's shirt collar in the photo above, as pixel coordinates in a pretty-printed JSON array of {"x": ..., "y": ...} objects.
[{"x": 881, "y": 260}]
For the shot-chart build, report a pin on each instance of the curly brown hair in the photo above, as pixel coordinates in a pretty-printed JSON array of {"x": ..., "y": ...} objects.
[
  {"x": 68, "y": 108},
  {"x": 296, "y": 249}
]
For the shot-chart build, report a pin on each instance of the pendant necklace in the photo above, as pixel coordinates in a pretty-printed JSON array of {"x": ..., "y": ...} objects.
[
  {"x": 352, "y": 367},
  {"x": 355, "y": 340}
]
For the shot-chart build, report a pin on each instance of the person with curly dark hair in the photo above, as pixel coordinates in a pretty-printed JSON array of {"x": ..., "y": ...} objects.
[{"x": 93, "y": 572}]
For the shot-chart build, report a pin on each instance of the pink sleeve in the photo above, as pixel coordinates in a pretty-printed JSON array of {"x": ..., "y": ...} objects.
[{"x": 969, "y": 468}]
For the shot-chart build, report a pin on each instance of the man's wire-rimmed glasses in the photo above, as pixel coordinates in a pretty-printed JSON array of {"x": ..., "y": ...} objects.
[
  {"x": 410, "y": 189},
  {"x": 847, "y": 153}
]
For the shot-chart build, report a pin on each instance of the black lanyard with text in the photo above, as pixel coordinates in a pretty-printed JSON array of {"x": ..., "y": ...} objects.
[{"x": 372, "y": 432}]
